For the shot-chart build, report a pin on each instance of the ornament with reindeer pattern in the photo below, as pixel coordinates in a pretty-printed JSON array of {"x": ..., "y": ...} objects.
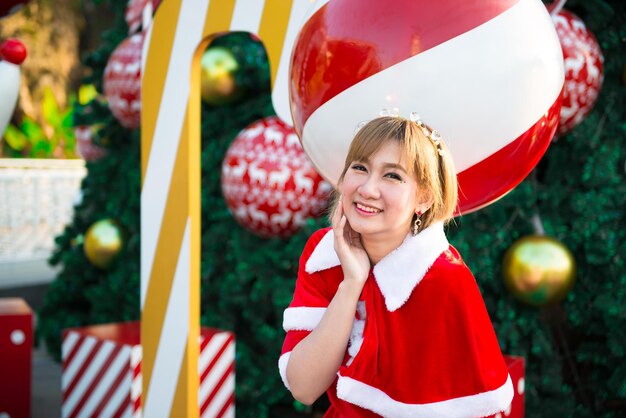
[
  {"x": 122, "y": 81},
  {"x": 583, "y": 69},
  {"x": 269, "y": 184}
]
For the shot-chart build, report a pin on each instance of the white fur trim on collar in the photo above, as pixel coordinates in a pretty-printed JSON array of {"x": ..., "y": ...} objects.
[
  {"x": 472, "y": 406},
  {"x": 324, "y": 255},
  {"x": 398, "y": 272}
]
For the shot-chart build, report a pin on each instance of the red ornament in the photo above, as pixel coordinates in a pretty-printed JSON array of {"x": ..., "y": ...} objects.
[
  {"x": 139, "y": 14},
  {"x": 269, "y": 184},
  {"x": 122, "y": 81},
  {"x": 134, "y": 14},
  {"x": 488, "y": 76},
  {"x": 583, "y": 69},
  {"x": 13, "y": 51},
  {"x": 85, "y": 147}
]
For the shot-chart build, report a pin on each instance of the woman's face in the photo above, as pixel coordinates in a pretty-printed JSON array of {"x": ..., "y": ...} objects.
[{"x": 379, "y": 197}]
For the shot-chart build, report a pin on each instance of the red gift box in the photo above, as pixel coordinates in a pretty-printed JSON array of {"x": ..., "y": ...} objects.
[
  {"x": 102, "y": 371},
  {"x": 16, "y": 346},
  {"x": 516, "y": 366}
]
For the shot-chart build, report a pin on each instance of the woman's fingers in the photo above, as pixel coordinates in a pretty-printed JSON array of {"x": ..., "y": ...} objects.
[{"x": 337, "y": 213}]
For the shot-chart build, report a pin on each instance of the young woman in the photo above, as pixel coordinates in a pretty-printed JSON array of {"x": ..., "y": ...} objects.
[{"x": 386, "y": 317}]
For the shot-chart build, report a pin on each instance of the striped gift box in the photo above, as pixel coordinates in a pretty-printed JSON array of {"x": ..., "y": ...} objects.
[{"x": 102, "y": 372}]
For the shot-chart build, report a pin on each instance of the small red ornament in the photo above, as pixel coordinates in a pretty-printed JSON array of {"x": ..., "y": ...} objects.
[
  {"x": 583, "y": 69},
  {"x": 122, "y": 81},
  {"x": 85, "y": 147},
  {"x": 134, "y": 14},
  {"x": 13, "y": 51},
  {"x": 269, "y": 183},
  {"x": 139, "y": 14}
]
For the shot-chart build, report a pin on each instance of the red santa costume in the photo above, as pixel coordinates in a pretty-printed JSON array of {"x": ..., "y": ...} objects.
[{"x": 422, "y": 344}]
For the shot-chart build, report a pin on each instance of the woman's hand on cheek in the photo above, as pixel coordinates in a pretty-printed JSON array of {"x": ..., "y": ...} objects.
[{"x": 349, "y": 248}]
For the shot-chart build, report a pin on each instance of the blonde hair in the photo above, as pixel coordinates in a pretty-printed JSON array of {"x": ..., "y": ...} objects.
[{"x": 432, "y": 170}]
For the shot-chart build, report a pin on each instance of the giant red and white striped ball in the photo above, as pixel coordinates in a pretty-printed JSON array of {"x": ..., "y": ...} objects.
[
  {"x": 583, "y": 69},
  {"x": 269, "y": 183},
  {"x": 487, "y": 75},
  {"x": 122, "y": 81}
]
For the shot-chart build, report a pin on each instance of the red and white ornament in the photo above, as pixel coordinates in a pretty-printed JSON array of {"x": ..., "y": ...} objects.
[
  {"x": 583, "y": 69},
  {"x": 12, "y": 54},
  {"x": 122, "y": 81},
  {"x": 489, "y": 79},
  {"x": 269, "y": 184},
  {"x": 134, "y": 14},
  {"x": 139, "y": 14},
  {"x": 85, "y": 147}
]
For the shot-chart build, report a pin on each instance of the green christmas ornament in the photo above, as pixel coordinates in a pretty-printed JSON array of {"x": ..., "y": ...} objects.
[
  {"x": 539, "y": 270},
  {"x": 218, "y": 83},
  {"x": 104, "y": 241}
]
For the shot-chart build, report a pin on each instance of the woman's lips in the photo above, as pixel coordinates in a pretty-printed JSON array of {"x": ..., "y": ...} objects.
[{"x": 366, "y": 210}]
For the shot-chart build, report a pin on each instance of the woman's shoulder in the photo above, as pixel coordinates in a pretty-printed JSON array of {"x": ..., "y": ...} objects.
[{"x": 450, "y": 269}]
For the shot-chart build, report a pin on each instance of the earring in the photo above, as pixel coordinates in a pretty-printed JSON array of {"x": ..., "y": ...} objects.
[{"x": 417, "y": 224}]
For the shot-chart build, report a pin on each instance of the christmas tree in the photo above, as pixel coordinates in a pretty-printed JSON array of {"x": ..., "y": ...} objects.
[{"x": 574, "y": 350}]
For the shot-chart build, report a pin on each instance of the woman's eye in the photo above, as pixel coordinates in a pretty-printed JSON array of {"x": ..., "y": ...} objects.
[
  {"x": 359, "y": 167},
  {"x": 393, "y": 176}
]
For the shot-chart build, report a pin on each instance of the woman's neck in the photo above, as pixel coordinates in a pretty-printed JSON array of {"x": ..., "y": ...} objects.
[{"x": 378, "y": 247}]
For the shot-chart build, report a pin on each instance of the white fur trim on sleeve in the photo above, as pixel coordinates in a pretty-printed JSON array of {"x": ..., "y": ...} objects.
[
  {"x": 302, "y": 319},
  {"x": 479, "y": 405},
  {"x": 282, "y": 368}
]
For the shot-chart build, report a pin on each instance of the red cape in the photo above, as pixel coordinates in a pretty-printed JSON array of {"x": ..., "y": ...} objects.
[{"x": 422, "y": 343}]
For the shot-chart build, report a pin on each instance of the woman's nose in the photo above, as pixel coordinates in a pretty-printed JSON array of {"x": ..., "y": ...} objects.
[{"x": 369, "y": 188}]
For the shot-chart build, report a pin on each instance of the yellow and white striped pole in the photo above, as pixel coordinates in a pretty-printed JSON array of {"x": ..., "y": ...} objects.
[{"x": 170, "y": 195}]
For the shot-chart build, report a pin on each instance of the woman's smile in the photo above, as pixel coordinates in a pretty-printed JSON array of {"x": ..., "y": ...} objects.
[{"x": 366, "y": 210}]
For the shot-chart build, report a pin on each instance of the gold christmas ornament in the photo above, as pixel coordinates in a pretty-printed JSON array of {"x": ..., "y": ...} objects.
[
  {"x": 217, "y": 80},
  {"x": 103, "y": 242},
  {"x": 539, "y": 270}
]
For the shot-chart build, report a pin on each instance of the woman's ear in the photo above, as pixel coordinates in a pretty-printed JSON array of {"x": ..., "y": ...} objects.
[{"x": 425, "y": 201}]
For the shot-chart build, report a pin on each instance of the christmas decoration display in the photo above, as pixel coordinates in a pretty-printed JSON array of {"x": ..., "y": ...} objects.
[
  {"x": 217, "y": 79},
  {"x": 539, "y": 270},
  {"x": 268, "y": 182},
  {"x": 11, "y": 6},
  {"x": 247, "y": 282},
  {"x": 452, "y": 75},
  {"x": 16, "y": 345},
  {"x": 122, "y": 81},
  {"x": 102, "y": 371},
  {"x": 85, "y": 147},
  {"x": 12, "y": 54},
  {"x": 103, "y": 243},
  {"x": 583, "y": 69}
]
